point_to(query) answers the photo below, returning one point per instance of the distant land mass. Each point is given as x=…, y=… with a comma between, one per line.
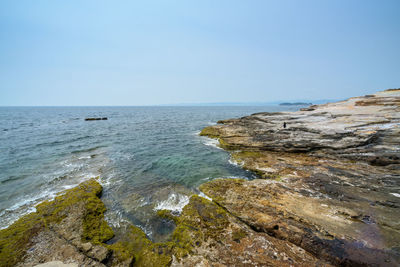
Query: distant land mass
x=278, y=102
x=295, y=104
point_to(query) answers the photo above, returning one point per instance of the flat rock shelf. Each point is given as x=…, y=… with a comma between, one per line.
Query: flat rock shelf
x=329, y=181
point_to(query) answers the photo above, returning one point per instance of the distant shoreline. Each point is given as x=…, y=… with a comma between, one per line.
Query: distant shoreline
x=295, y=104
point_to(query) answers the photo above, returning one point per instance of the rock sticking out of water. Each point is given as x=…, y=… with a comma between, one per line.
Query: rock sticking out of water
x=96, y=119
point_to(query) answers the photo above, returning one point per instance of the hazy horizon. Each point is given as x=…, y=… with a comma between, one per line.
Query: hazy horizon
x=195, y=104
x=100, y=53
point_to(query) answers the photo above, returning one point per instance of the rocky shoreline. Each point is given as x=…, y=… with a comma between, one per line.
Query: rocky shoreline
x=331, y=177
x=328, y=193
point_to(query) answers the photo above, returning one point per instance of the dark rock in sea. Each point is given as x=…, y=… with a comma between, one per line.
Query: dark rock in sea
x=96, y=119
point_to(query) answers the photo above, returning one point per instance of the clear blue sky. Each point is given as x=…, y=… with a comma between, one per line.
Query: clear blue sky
x=164, y=52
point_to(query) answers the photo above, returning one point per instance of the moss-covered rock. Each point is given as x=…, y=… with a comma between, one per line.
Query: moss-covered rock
x=14, y=240
x=135, y=245
x=82, y=201
x=210, y=131
x=201, y=220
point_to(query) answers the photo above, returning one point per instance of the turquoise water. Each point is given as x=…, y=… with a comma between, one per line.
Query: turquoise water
x=147, y=158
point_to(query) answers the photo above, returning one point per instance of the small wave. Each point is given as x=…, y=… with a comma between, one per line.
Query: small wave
x=13, y=178
x=196, y=133
x=86, y=157
x=234, y=177
x=23, y=207
x=212, y=142
x=174, y=203
x=116, y=219
x=205, y=196
x=86, y=149
x=117, y=156
x=27, y=204
x=234, y=162
x=147, y=231
x=395, y=194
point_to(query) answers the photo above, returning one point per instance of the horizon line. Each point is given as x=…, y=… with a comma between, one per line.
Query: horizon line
x=277, y=102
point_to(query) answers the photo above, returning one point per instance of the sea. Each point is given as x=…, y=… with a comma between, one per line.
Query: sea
x=146, y=158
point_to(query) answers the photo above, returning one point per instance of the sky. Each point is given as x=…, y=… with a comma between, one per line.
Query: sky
x=81, y=52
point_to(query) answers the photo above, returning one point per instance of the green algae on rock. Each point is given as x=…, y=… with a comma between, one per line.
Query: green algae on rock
x=16, y=239
x=135, y=245
x=210, y=131
x=71, y=229
x=208, y=235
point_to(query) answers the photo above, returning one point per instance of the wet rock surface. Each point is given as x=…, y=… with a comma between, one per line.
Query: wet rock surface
x=331, y=177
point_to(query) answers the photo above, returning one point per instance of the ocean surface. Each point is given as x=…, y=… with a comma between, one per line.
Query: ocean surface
x=146, y=158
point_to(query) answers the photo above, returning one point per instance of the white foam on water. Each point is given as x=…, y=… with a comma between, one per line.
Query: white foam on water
x=116, y=219
x=205, y=196
x=212, y=142
x=395, y=194
x=85, y=157
x=234, y=177
x=175, y=203
x=235, y=163
x=146, y=231
x=27, y=204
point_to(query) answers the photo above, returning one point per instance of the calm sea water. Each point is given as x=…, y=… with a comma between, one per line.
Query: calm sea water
x=146, y=158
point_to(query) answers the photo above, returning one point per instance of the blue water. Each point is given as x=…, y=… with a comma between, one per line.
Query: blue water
x=147, y=158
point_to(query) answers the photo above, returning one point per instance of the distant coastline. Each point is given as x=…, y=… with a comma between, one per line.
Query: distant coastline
x=295, y=104
x=270, y=103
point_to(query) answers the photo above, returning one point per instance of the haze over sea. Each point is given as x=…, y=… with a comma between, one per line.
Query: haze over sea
x=147, y=158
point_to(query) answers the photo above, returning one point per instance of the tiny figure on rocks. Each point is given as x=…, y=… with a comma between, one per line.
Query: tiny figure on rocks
x=284, y=125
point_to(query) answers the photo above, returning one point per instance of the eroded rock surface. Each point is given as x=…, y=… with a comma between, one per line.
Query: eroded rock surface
x=333, y=177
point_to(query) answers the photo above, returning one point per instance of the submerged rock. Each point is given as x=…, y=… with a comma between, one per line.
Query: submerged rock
x=96, y=119
x=329, y=177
